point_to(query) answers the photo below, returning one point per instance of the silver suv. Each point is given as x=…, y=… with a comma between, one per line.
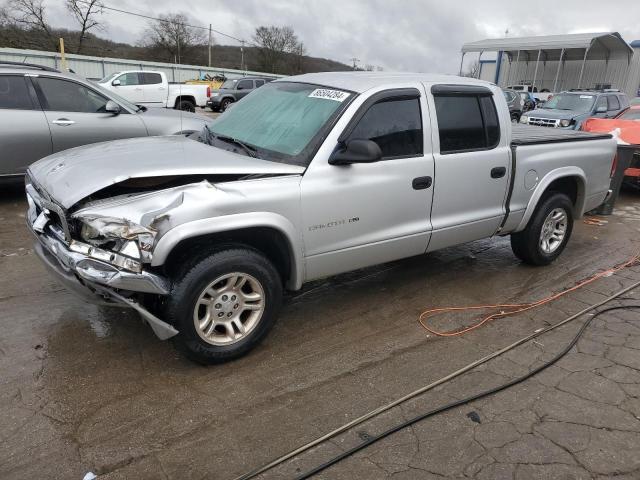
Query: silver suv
x=44, y=111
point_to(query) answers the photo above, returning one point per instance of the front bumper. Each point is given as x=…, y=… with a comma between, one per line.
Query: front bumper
x=96, y=281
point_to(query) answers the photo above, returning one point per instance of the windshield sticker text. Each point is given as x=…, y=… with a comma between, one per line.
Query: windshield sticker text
x=327, y=94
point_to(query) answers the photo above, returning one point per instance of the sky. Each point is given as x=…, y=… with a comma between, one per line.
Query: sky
x=407, y=35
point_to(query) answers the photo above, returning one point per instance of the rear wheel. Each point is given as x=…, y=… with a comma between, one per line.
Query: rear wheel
x=186, y=105
x=224, y=305
x=225, y=104
x=547, y=233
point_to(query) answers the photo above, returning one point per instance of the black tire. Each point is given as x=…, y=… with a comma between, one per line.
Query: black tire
x=186, y=105
x=225, y=104
x=186, y=291
x=526, y=244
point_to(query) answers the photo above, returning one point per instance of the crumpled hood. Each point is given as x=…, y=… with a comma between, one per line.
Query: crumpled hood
x=74, y=174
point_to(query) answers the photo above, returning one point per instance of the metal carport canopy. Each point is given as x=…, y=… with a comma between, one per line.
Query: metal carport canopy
x=601, y=46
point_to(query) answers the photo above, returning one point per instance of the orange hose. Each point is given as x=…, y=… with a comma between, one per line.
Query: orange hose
x=512, y=308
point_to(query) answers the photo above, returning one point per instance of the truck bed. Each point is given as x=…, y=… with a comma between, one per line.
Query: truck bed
x=532, y=135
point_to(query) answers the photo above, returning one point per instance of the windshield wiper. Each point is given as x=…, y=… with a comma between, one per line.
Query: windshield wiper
x=251, y=151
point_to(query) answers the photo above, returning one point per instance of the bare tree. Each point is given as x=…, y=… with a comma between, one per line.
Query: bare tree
x=31, y=15
x=274, y=43
x=173, y=35
x=85, y=11
x=473, y=71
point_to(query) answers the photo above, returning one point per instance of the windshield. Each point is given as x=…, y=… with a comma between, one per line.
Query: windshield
x=571, y=101
x=108, y=77
x=281, y=120
x=632, y=114
x=229, y=84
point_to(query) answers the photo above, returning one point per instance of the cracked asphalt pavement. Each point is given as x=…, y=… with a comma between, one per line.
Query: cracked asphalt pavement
x=90, y=389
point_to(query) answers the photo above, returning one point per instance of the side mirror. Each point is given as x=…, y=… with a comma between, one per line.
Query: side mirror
x=356, y=151
x=116, y=83
x=112, y=107
x=601, y=109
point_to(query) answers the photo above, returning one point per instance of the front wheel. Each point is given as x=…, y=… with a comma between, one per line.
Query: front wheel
x=547, y=233
x=224, y=305
x=225, y=104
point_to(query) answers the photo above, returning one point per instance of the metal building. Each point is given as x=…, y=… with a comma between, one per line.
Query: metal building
x=560, y=62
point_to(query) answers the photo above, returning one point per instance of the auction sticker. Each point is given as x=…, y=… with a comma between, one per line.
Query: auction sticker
x=336, y=95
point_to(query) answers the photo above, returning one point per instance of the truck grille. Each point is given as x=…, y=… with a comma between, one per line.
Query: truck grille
x=543, y=122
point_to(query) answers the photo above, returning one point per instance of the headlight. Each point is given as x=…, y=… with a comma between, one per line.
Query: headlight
x=524, y=119
x=565, y=123
x=119, y=235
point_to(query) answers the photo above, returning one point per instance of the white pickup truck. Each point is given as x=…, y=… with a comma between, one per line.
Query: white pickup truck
x=152, y=89
x=307, y=177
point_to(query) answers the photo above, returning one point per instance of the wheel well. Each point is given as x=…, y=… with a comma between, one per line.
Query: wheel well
x=185, y=97
x=268, y=241
x=570, y=186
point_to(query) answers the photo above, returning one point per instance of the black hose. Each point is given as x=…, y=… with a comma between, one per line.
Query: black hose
x=457, y=403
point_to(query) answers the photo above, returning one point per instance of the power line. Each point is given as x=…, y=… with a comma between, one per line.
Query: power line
x=164, y=20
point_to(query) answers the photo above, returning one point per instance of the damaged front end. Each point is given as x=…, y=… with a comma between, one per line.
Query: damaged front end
x=99, y=258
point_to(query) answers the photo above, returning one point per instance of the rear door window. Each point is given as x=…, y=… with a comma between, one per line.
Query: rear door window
x=151, y=78
x=245, y=85
x=467, y=122
x=613, y=102
x=259, y=83
x=395, y=125
x=14, y=93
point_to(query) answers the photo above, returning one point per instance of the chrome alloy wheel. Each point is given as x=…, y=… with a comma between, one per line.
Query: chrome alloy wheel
x=553, y=230
x=229, y=308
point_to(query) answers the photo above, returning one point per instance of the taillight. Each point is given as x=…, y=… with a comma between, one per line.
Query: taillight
x=614, y=164
x=208, y=92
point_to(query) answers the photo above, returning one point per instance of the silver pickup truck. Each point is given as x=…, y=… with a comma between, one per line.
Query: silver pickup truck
x=307, y=177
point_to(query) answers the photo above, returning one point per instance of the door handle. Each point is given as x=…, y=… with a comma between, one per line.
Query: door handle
x=63, y=122
x=498, y=172
x=420, y=183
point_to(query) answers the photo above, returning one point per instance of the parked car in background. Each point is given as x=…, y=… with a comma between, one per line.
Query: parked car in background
x=570, y=109
x=626, y=128
x=43, y=111
x=514, y=102
x=152, y=89
x=308, y=177
x=528, y=101
x=233, y=90
x=538, y=96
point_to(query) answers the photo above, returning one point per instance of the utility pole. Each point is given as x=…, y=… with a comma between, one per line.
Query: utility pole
x=355, y=62
x=242, y=55
x=209, y=44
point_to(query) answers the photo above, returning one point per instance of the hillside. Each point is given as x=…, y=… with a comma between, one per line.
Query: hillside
x=224, y=56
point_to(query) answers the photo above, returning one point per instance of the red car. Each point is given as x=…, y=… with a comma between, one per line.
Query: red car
x=626, y=128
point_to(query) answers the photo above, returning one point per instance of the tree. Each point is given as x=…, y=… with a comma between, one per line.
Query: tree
x=84, y=11
x=275, y=44
x=31, y=15
x=174, y=36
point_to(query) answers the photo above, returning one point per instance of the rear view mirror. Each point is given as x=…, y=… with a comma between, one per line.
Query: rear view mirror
x=112, y=107
x=116, y=83
x=356, y=151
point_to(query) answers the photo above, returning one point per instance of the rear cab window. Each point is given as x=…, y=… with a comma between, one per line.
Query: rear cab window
x=151, y=78
x=14, y=93
x=467, y=118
